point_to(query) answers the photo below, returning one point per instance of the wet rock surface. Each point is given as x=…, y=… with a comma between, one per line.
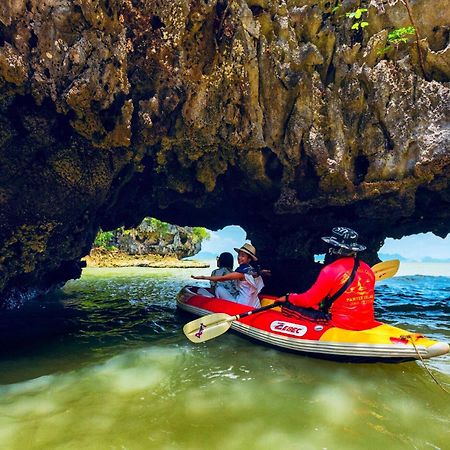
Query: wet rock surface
x=273, y=115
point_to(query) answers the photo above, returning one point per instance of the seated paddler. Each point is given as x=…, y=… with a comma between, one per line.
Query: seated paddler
x=248, y=278
x=343, y=293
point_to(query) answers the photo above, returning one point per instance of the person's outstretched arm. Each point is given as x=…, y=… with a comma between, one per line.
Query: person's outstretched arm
x=228, y=276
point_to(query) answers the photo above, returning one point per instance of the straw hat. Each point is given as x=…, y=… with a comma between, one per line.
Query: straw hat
x=249, y=249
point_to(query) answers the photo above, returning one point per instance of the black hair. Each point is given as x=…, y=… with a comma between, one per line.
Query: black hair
x=335, y=253
x=225, y=260
x=341, y=251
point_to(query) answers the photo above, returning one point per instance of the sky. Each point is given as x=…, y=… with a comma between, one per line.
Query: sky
x=419, y=246
x=224, y=240
x=415, y=247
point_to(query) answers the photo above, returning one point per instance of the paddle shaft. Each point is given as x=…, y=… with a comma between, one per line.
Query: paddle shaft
x=380, y=275
x=254, y=311
x=213, y=325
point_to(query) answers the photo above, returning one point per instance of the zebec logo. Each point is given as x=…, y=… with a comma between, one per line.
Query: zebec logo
x=288, y=328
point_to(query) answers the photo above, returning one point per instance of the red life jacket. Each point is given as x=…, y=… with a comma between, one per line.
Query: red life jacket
x=353, y=309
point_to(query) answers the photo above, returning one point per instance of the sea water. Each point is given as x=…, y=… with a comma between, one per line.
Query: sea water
x=103, y=364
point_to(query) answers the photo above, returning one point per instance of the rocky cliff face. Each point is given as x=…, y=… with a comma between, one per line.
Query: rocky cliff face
x=152, y=237
x=274, y=115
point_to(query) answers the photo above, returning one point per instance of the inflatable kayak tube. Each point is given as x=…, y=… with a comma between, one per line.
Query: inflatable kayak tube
x=381, y=343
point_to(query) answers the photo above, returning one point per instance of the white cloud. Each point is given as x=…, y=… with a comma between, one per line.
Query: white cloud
x=224, y=240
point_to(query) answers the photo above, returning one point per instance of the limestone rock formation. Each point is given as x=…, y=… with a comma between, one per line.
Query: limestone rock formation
x=157, y=238
x=275, y=115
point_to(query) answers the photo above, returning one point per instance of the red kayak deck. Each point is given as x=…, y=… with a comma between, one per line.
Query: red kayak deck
x=382, y=342
x=270, y=320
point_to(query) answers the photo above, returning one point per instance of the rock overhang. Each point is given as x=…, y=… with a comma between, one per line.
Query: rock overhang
x=275, y=117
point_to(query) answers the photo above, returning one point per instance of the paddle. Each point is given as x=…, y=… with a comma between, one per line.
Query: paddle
x=385, y=269
x=208, y=327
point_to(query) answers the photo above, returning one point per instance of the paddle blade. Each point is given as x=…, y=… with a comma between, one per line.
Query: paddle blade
x=386, y=269
x=207, y=327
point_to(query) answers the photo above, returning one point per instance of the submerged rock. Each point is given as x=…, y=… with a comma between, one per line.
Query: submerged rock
x=273, y=115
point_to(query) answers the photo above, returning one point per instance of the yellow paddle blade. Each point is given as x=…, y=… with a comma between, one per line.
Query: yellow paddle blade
x=269, y=301
x=385, y=269
x=208, y=327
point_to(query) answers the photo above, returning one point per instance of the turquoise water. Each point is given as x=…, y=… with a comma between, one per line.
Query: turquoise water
x=103, y=364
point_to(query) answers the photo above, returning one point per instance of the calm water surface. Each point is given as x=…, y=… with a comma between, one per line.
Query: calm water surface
x=103, y=364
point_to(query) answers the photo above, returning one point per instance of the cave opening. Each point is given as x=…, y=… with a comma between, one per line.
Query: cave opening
x=417, y=249
x=319, y=257
x=222, y=240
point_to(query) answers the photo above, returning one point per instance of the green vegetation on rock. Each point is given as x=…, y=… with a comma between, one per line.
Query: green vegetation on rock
x=158, y=225
x=397, y=37
x=358, y=21
x=104, y=239
x=200, y=233
x=153, y=237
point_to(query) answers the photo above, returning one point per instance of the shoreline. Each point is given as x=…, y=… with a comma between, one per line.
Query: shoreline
x=437, y=269
x=100, y=257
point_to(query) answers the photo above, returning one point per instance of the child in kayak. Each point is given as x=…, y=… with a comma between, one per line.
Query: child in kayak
x=224, y=289
x=249, y=280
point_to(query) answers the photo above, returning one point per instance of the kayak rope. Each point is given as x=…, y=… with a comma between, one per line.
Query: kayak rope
x=410, y=338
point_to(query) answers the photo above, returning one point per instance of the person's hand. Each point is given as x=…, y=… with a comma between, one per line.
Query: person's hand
x=198, y=277
x=282, y=299
x=266, y=272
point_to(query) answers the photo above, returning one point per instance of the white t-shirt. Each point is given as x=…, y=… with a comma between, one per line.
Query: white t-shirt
x=249, y=290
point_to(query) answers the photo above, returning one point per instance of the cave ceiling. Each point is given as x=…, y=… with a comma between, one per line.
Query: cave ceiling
x=279, y=116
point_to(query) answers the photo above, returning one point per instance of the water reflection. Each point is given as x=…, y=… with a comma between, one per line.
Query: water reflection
x=185, y=396
x=104, y=364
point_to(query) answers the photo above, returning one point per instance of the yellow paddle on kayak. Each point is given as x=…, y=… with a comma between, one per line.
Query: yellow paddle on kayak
x=386, y=269
x=208, y=327
x=213, y=325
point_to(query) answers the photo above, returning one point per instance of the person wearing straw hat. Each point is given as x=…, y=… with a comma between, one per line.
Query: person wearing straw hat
x=343, y=293
x=249, y=280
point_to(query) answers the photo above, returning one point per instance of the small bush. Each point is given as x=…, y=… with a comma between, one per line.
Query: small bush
x=158, y=225
x=104, y=239
x=397, y=37
x=200, y=233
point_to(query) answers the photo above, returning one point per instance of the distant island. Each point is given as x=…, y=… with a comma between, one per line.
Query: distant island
x=426, y=259
x=429, y=259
